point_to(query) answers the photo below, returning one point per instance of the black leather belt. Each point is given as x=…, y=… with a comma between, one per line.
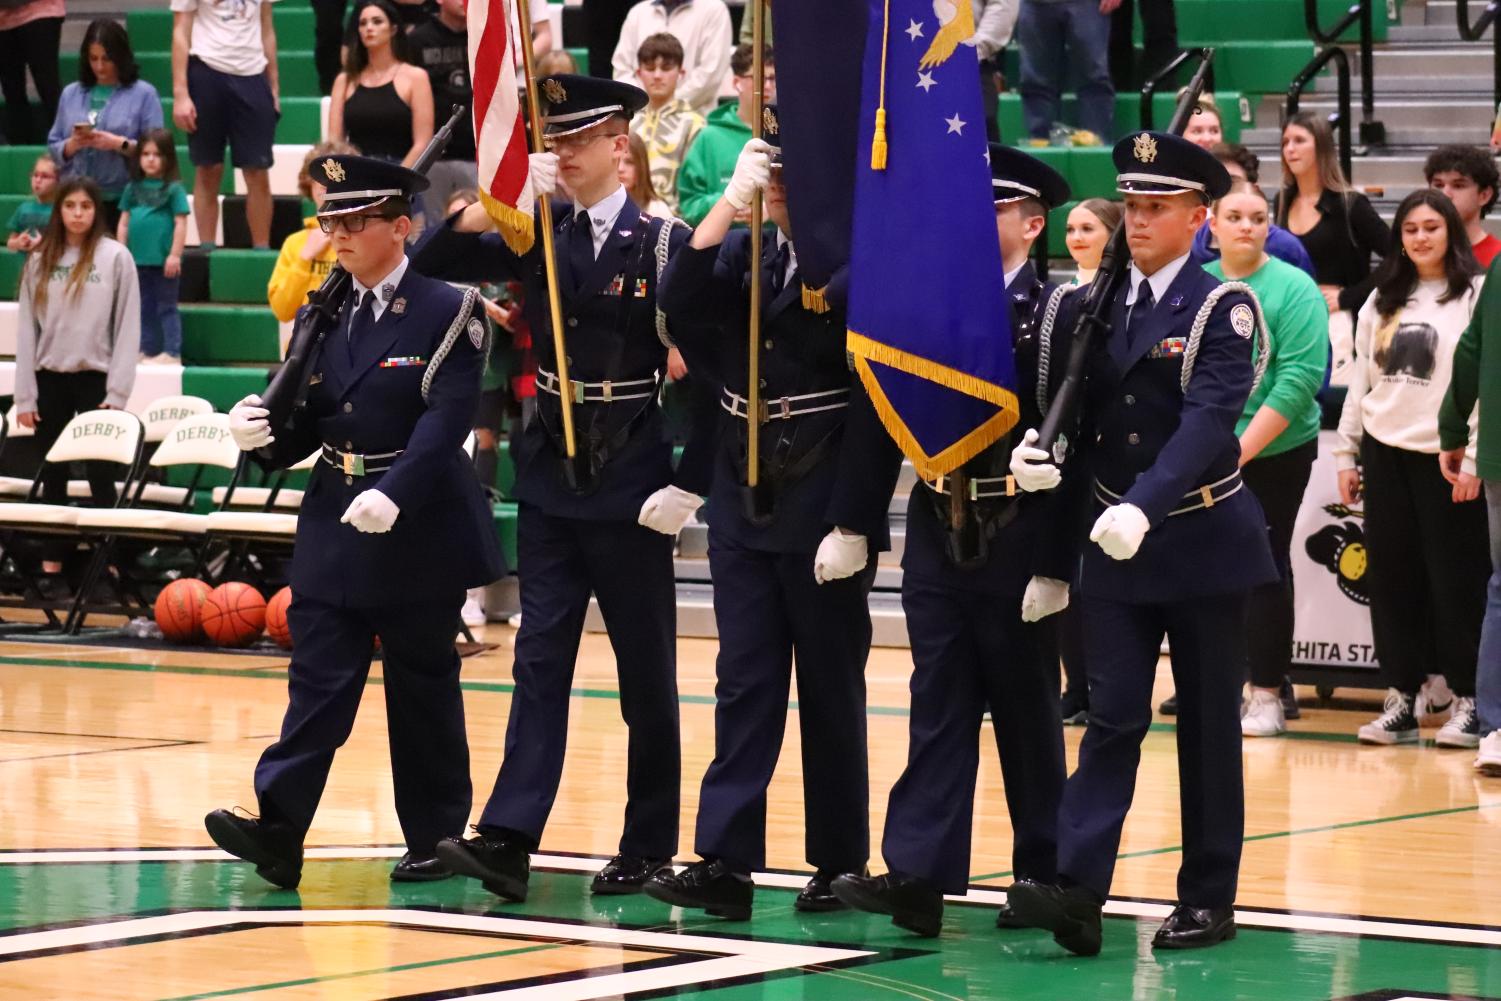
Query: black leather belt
x=599, y=392
x=786, y=407
x=1206, y=496
x=355, y=464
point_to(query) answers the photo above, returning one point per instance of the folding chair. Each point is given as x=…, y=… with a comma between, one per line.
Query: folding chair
x=252, y=538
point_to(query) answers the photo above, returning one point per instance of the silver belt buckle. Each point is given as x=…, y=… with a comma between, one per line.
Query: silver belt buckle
x=354, y=465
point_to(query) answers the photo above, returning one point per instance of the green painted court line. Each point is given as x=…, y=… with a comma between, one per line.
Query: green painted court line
x=305, y=981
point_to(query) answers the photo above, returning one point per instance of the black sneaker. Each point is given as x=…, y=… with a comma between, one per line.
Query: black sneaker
x=498, y=859
x=1075, y=707
x=1396, y=725
x=707, y=886
x=274, y=849
x=1169, y=706
x=1289, y=699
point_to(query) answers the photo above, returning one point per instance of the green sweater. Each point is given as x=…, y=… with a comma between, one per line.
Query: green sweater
x=1298, y=321
x=1477, y=378
x=711, y=162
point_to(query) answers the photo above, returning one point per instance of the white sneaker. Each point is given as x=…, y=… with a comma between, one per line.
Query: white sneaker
x=1434, y=698
x=514, y=621
x=474, y=609
x=1462, y=728
x=1263, y=716
x=1395, y=725
x=1488, y=761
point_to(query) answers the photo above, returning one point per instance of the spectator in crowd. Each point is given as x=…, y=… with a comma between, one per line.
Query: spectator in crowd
x=1467, y=174
x=1159, y=31
x=154, y=228
x=79, y=329
x=704, y=29
x=995, y=20
x=225, y=90
x=1086, y=233
x=440, y=45
x=1246, y=166
x=24, y=230
x=30, y=31
x=1424, y=536
x=748, y=26
x=382, y=103
x=1278, y=430
x=1205, y=127
x=541, y=35
x=307, y=256
x=711, y=160
x=1056, y=37
x=635, y=174
x=1476, y=384
x=668, y=124
x=102, y=115
x=329, y=32
x=556, y=61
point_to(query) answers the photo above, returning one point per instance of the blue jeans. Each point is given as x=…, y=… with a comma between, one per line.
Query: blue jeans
x=1488, y=671
x=1053, y=36
x=161, y=324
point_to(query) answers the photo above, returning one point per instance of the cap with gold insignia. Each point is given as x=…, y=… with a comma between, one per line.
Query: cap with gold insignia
x=1160, y=163
x=361, y=182
x=572, y=103
x=771, y=132
x=1014, y=175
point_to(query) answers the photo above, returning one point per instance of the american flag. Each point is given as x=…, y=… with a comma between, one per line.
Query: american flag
x=500, y=135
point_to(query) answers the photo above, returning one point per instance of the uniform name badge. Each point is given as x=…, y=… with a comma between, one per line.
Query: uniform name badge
x=354, y=465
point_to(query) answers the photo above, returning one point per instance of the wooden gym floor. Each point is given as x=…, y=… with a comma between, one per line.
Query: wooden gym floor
x=1370, y=873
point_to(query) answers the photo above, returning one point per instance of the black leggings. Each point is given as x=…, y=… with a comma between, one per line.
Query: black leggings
x=1278, y=481
x=61, y=396
x=32, y=46
x=1429, y=560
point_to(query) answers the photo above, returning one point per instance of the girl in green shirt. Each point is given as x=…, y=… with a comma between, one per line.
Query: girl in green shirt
x=154, y=225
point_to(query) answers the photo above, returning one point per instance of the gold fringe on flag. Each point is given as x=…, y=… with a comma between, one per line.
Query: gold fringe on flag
x=515, y=227
x=814, y=301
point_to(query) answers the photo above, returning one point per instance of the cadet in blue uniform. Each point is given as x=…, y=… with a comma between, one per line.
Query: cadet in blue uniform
x=976, y=579
x=1177, y=546
x=393, y=528
x=790, y=582
x=603, y=524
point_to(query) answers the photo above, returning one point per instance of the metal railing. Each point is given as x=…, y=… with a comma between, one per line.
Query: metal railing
x=1473, y=33
x=1341, y=117
x=1372, y=132
x=1168, y=73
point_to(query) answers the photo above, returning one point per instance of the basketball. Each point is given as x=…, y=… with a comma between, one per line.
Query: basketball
x=179, y=610
x=233, y=614
x=276, y=618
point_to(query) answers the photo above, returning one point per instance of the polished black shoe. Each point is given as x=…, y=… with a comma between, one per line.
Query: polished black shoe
x=1006, y=919
x=1071, y=914
x=818, y=895
x=498, y=860
x=1289, y=699
x=420, y=868
x=1195, y=928
x=912, y=903
x=1169, y=706
x=627, y=874
x=707, y=886
x=1075, y=707
x=275, y=849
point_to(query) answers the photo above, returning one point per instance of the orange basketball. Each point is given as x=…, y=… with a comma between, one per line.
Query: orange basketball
x=276, y=618
x=179, y=610
x=234, y=614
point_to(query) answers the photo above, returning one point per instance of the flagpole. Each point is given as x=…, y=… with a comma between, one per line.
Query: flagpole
x=757, y=11
x=544, y=213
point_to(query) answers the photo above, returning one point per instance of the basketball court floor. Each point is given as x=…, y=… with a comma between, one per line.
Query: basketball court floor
x=1369, y=873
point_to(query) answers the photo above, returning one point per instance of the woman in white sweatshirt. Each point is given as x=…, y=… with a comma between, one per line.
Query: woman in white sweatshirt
x=1425, y=537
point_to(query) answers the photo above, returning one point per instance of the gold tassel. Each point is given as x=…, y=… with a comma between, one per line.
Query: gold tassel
x=515, y=227
x=814, y=301
x=878, y=144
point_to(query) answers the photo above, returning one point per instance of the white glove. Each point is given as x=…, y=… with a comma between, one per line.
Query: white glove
x=1044, y=596
x=371, y=511
x=1119, y=531
x=752, y=173
x=841, y=554
x=668, y=510
x=1032, y=467
x=543, y=168
x=248, y=424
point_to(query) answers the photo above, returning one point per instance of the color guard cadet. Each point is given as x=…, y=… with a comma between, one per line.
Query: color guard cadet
x=393, y=528
x=790, y=580
x=1178, y=545
x=602, y=524
x=977, y=577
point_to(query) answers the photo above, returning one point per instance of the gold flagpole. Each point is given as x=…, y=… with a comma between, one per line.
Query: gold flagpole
x=757, y=11
x=544, y=211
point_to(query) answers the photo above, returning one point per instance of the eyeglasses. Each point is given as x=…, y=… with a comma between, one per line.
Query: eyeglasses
x=351, y=223
x=576, y=143
x=49, y=175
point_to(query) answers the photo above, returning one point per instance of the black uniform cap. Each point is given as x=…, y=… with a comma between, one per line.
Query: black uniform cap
x=572, y=103
x=1159, y=163
x=1014, y=175
x=362, y=182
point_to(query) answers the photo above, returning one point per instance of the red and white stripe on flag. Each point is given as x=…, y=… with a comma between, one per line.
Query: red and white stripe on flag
x=500, y=135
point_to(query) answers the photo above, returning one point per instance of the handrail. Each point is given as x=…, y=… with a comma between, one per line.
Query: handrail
x=1372, y=132
x=1166, y=72
x=1341, y=60
x=1473, y=33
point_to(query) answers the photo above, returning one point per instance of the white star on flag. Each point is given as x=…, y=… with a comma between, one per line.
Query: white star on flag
x=926, y=81
x=914, y=30
x=956, y=125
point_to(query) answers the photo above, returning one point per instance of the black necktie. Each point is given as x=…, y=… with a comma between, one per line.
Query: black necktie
x=360, y=324
x=581, y=248
x=1141, y=312
x=779, y=268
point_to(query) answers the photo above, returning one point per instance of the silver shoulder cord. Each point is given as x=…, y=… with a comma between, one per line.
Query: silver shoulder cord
x=1201, y=320
x=664, y=243
x=1045, y=343
x=454, y=332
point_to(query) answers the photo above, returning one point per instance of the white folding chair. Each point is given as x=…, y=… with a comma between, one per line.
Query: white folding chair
x=252, y=538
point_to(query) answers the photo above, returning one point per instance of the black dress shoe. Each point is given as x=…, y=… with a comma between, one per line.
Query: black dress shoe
x=627, y=874
x=1072, y=914
x=1195, y=927
x=818, y=895
x=1289, y=698
x=1169, y=706
x=912, y=903
x=1006, y=919
x=275, y=849
x=1074, y=707
x=498, y=860
x=417, y=868
x=708, y=886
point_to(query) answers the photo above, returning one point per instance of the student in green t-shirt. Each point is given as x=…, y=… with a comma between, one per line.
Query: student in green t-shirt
x=1278, y=429
x=154, y=226
x=29, y=221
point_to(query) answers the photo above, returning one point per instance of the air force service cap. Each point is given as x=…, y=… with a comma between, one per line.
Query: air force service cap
x=1159, y=163
x=572, y=103
x=771, y=132
x=1014, y=175
x=361, y=182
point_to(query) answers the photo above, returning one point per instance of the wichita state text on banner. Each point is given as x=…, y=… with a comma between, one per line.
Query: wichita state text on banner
x=499, y=133
x=929, y=319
